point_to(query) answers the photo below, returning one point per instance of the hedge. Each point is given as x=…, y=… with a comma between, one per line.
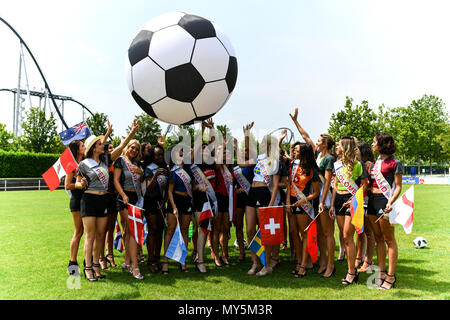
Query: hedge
x=25, y=164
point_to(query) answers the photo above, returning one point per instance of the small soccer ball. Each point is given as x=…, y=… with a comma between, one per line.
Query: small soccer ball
x=420, y=242
x=181, y=68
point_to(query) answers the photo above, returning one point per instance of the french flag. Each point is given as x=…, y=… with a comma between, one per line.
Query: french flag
x=65, y=164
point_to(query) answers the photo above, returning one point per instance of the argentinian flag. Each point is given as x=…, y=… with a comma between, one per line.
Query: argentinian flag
x=177, y=249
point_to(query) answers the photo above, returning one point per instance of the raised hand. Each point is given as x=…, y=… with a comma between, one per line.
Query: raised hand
x=209, y=123
x=161, y=141
x=248, y=127
x=135, y=126
x=283, y=134
x=294, y=117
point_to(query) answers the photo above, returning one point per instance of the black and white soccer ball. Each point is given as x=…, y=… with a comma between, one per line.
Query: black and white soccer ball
x=420, y=242
x=181, y=68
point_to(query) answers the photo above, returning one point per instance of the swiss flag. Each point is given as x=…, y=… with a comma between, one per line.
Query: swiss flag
x=271, y=225
x=311, y=242
x=136, y=224
x=205, y=218
x=65, y=164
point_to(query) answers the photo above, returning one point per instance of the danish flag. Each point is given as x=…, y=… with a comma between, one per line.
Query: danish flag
x=136, y=224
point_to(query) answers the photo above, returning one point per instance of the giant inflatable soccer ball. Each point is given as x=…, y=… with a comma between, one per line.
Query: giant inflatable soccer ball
x=181, y=68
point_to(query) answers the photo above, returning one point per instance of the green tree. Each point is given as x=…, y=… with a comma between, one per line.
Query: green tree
x=40, y=134
x=444, y=140
x=97, y=123
x=418, y=129
x=358, y=121
x=6, y=138
x=149, y=129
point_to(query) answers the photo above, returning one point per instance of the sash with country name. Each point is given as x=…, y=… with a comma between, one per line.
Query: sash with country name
x=348, y=184
x=183, y=175
x=267, y=178
x=161, y=179
x=381, y=181
x=241, y=179
x=300, y=195
x=137, y=186
x=102, y=173
x=228, y=179
x=201, y=179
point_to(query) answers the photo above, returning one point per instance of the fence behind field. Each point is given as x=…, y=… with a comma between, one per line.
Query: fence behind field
x=24, y=184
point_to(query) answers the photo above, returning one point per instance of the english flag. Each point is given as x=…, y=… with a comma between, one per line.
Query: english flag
x=65, y=164
x=271, y=225
x=136, y=224
x=402, y=210
x=205, y=218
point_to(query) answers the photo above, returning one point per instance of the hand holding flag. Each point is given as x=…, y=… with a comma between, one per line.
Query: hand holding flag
x=177, y=249
x=65, y=164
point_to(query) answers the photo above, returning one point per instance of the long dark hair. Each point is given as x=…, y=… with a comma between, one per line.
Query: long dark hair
x=307, y=161
x=74, y=147
x=366, y=152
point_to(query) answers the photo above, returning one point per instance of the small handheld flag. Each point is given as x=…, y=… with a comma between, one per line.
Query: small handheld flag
x=357, y=211
x=205, y=218
x=118, y=241
x=65, y=164
x=136, y=224
x=403, y=209
x=311, y=241
x=177, y=249
x=79, y=131
x=272, y=225
x=256, y=247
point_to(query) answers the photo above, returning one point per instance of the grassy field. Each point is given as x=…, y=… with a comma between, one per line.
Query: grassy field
x=36, y=229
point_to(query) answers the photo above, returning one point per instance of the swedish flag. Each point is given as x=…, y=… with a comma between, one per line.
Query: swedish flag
x=258, y=248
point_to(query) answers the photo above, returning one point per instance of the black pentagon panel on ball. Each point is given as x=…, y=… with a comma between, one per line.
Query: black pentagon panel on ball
x=143, y=104
x=197, y=26
x=184, y=83
x=139, y=47
x=231, y=76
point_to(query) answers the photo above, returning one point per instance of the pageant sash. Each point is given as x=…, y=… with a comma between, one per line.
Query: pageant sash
x=300, y=195
x=381, y=181
x=241, y=179
x=102, y=173
x=183, y=175
x=161, y=179
x=349, y=184
x=267, y=177
x=201, y=179
x=137, y=185
x=228, y=179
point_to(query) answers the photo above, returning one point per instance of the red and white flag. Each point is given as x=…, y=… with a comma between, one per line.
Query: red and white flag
x=271, y=225
x=205, y=218
x=65, y=164
x=311, y=241
x=136, y=224
x=402, y=210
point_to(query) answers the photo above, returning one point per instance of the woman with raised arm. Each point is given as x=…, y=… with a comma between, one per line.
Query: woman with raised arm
x=386, y=183
x=77, y=148
x=350, y=176
x=263, y=193
x=93, y=202
x=127, y=180
x=325, y=158
x=156, y=175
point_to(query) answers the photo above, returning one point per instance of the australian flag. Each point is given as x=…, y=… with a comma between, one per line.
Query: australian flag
x=79, y=131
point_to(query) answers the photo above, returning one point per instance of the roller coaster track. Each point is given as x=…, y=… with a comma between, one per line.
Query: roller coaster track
x=47, y=87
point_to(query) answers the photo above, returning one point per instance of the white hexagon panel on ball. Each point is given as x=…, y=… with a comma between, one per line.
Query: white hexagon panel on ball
x=210, y=59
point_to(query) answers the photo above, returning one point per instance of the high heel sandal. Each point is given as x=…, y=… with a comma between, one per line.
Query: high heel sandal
x=295, y=271
x=355, y=275
x=183, y=268
x=264, y=271
x=93, y=274
x=165, y=272
x=297, y=274
x=253, y=269
x=100, y=276
x=381, y=280
x=111, y=261
x=357, y=265
x=343, y=257
x=392, y=284
x=218, y=264
x=200, y=263
x=332, y=273
x=139, y=276
x=103, y=263
x=126, y=267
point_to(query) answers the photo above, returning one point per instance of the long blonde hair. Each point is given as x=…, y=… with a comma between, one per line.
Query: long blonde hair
x=349, y=153
x=125, y=150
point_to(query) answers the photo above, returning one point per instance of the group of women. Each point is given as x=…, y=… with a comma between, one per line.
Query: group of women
x=311, y=180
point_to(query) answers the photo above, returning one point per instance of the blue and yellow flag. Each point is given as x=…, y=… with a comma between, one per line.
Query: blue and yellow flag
x=258, y=248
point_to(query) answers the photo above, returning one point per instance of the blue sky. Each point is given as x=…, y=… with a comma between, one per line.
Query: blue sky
x=310, y=54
